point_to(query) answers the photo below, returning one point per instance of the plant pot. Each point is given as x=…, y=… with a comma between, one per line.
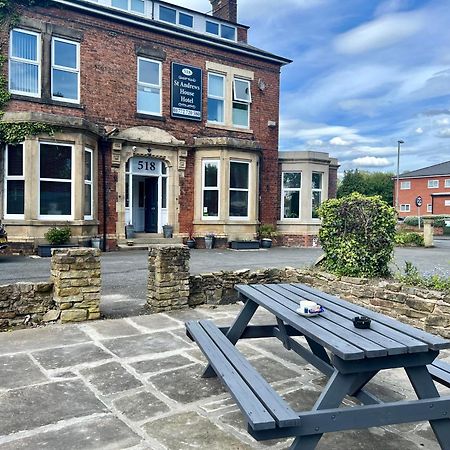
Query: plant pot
x=96, y=242
x=45, y=250
x=168, y=231
x=129, y=231
x=209, y=242
x=266, y=243
x=190, y=243
x=244, y=245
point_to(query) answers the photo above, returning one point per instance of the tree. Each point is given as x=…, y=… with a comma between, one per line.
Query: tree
x=367, y=183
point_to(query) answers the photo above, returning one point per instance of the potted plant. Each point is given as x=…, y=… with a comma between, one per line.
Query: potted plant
x=209, y=240
x=58, y=237
x=190, y=240
x=266, y=233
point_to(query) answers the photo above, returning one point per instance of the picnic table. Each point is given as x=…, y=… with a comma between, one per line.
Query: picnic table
x=349, y=356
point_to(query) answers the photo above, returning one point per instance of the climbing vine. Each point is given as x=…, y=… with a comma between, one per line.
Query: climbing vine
x=12, y=132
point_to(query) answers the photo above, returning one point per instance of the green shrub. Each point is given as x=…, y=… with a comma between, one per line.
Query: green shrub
x=267, y=231
x=405, y=238
x=435, y=281
x=58, y=235
x=357, y=235
x=438, y=221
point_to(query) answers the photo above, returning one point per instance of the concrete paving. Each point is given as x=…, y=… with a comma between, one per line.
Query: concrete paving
x=135, y=384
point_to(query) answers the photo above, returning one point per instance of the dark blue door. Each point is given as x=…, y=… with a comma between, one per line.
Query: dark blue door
x=151, y=205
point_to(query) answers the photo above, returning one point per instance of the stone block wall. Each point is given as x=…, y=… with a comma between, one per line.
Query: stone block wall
x=77, y=278
x=23, y=303
x=168, y=277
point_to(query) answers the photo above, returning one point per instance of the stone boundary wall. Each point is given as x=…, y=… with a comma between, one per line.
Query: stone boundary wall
x=422, y=308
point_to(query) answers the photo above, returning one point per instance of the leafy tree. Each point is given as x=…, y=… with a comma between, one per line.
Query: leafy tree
x=367, y=183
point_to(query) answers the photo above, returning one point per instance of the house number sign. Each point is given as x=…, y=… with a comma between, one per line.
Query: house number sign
x=145, y=166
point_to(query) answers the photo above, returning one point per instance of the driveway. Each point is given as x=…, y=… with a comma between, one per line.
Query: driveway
x=125, y=273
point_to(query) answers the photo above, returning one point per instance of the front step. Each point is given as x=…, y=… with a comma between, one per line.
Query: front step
x=142, y=241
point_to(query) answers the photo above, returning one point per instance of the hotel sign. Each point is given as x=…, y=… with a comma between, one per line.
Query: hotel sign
x=186, y=92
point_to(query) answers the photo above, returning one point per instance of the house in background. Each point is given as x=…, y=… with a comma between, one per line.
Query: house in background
x=432, y=184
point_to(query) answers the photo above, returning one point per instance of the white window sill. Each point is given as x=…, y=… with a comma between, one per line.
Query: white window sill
x=228, y=128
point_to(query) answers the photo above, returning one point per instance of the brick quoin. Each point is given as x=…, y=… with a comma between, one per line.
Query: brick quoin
x=108, y=98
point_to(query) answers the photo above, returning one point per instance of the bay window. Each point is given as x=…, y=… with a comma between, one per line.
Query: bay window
x=216, y=98
x=241, y=103
x=14, y=181
x=25, y=63
x=88, y=191
x=55, y=181
x=292, y=183
x=65, y=70
x=210, y=177
x=316, y=190
x=239, y=189
x=149, y=87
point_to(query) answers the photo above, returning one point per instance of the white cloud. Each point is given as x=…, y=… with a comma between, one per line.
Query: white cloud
x=339, y=141
x=419, y=130
x=382, y=32
x=371, y=161
x=444, y=133
x=314, y=143
x=443, y=122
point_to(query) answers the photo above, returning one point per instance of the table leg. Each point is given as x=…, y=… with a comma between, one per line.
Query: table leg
x=338, y=386
x=424, y=386
x=236, y=330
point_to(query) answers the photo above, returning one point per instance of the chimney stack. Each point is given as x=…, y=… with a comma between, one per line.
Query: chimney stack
x=224, y=9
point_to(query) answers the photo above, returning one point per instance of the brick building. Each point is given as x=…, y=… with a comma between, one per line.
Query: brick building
x=432, y=184
x=162, y=116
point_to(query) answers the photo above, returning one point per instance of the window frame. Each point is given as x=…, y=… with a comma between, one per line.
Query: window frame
x=37, y=63
x=13, y=178
x=65, y=69
x=241, y=101
x=219, y=31
x=405, y=207
x=447, y=183
x=435, y=186
x=177, y=17
x=446, y=203
x=230, y=189
x=299, y=190
x=210, y=188
x=429, y=208
x=153, y=86
x=89, y=182
x=403, y=184
x=223, y=99
x=129, y=3
x=44, y=217
x=316, y=190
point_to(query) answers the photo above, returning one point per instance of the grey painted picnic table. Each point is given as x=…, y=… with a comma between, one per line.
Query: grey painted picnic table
x=349, y=356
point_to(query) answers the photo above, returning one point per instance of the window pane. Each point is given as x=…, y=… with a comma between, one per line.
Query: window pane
x=317, y=181
x=56, y=162
x=163, y=192
x=240, y=114
x=24, y=45
x=15, y=196
x=211, y=178
x=24, y=77
x=88, y=166
x=238, y=203
x=149, y=100
x=228, y=32
x=186, y=20
x=138, y=6
x=316, y=201
x=163, y=168
x=88, y=200
x=55, y=198
x=292, y=205
x=65, y=54
x=238, y=175
x=167, y=14
x=210, y=203
x=241, y=90
x=215, y=110
x=215, y=85
x=212, y=27
x=15, y=160
x=122, y=4
x=65, y=84
x=148, y=72
x=292, y=180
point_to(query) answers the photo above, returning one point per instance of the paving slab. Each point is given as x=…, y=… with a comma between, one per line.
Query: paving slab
x=18, y=371
x=98, y=433
x=35, y=406
x=140, y=406
x=111, y=328
x=156, y=322
x=156, y=365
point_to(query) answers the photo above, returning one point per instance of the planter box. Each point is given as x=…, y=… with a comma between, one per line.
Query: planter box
x=244, y=245
x=45, y=250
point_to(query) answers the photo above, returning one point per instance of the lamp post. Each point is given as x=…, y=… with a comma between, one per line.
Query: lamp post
x=398, y=175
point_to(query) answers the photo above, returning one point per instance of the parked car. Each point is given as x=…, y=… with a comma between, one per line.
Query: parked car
x=3, y=237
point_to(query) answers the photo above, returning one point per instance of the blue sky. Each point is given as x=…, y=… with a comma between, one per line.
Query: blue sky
x=365, y=74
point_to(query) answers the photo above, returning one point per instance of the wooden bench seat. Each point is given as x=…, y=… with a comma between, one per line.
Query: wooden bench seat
x=440, y=372
x=263, y=408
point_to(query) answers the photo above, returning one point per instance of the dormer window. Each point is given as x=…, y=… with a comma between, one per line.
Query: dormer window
x=222, y=30
x=129, y=5
x=171, y=15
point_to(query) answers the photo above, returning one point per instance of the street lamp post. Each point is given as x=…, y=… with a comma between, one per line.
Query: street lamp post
x=397, y=187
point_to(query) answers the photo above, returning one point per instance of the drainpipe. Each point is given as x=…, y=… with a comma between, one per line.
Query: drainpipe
x=104, y=186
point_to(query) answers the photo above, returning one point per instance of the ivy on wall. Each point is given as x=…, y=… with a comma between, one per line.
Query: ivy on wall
x=15, y=132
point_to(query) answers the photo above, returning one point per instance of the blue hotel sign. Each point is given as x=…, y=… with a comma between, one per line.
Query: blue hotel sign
x=186, y=92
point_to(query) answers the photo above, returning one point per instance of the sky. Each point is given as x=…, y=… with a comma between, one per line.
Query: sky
x=366, y=73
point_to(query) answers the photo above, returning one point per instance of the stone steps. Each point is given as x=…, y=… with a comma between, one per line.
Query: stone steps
x=142, y=241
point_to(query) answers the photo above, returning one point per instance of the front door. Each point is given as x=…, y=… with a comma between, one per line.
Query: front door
x=151, y=205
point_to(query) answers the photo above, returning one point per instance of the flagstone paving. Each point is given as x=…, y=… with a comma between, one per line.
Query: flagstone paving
x=135, y=384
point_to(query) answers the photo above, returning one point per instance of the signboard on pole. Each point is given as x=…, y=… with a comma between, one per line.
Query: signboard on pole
x=186, y=102
x=419, y=202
